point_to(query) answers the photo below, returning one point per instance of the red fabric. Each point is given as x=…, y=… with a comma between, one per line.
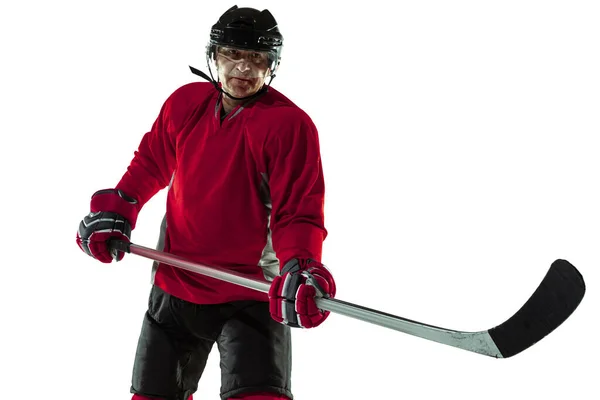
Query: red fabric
x=215, y=213
x=303, y=295
x=140, y=397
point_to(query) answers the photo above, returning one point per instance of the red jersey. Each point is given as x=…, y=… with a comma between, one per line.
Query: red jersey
x=245, y=194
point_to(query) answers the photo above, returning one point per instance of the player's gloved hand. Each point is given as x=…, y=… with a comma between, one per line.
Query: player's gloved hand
x=113, y=215
x=292, y=293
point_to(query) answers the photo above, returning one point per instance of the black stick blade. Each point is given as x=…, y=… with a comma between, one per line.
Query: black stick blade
x=558, y=295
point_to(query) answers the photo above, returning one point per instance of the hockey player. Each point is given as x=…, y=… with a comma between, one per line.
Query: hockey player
x=245, y=192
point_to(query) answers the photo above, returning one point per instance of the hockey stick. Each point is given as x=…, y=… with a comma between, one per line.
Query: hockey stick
x=555, y=299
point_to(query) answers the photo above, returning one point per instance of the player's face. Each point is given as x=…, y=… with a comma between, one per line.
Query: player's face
x=242, y=72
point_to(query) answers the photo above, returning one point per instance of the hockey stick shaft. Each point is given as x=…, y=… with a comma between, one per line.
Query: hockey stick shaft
x=430, y=332
x=555, y=299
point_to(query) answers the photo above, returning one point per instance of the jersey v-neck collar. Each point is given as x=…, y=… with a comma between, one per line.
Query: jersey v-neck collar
x=221, y=117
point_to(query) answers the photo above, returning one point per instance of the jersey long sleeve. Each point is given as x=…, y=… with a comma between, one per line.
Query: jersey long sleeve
x=297, y=189
x=153, y=163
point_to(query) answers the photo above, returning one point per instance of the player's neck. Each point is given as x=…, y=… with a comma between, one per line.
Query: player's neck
x=230, y=104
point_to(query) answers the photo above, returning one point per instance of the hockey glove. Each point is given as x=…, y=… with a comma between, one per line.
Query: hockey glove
x=112, y=215
x=292, y=293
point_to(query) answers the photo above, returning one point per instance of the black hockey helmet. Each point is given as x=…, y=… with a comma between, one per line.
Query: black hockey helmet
x=244, y=28
x=249, y=29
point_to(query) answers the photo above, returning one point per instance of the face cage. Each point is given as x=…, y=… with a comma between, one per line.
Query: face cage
x=274, y=57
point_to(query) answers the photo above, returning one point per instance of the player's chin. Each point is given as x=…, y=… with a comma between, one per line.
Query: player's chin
x=242, y=87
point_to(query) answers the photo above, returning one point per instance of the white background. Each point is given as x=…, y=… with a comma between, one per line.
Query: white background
x=460, y=147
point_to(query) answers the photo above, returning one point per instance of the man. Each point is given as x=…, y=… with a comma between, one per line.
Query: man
x=245, y=192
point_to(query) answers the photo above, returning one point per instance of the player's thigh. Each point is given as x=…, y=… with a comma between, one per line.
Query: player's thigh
x=256, y=353
x=168, y=361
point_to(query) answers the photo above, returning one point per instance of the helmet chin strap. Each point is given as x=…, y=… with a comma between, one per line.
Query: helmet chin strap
x=211, y=79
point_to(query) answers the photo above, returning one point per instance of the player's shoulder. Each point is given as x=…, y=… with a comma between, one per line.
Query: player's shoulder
x=283, y=121
x=193, y=92
x=281, y=110
x=184, y=100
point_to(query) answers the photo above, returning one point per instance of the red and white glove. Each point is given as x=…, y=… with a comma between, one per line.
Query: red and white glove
x=292, y=293
x=113, y=215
